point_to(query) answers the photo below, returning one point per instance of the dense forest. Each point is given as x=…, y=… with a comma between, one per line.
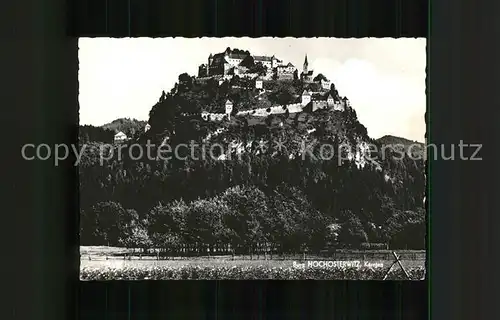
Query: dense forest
x=106, y=133
x=274, y=194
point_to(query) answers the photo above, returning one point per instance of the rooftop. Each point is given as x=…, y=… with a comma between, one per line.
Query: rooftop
x=289, y=65
x=262, y=58
x=237, y=56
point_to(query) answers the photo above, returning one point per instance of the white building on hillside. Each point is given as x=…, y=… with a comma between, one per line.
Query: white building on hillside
x=268, y=62
x=330, y=101
x=258, y=83
x=120, y=137
x=306, y=97
x=325, y=84
x=229, y=108
x=339, y=106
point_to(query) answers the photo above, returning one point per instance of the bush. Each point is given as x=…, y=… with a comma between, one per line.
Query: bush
x=246, y=273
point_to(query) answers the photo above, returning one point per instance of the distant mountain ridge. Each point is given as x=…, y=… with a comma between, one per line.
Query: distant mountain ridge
x=105, y=133
x=390, y=139
x=415, y=148
x=126, y=125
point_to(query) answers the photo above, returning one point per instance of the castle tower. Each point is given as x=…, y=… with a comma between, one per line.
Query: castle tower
x=330, y=101
x=306, y=64
x=306, y=97
x=274, y=62
x=210, y=60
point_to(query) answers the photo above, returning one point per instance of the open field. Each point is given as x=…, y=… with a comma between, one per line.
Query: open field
x=104, y=251
x=107, y=263
x=220, y=262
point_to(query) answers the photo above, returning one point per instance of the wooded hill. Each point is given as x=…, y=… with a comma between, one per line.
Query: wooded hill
x=271, y=194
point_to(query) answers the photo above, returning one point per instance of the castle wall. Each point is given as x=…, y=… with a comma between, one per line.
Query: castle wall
x=339, y=106
x=203, y=79
x=242, y=113
x=285, y=76
x=277, y=110
x=215, y=69
x=294, y=108
x=262, y=112
x=267, y=64
x=250, y=75
x=306, y=100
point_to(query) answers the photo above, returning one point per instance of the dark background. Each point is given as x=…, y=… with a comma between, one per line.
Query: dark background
x=39, y=72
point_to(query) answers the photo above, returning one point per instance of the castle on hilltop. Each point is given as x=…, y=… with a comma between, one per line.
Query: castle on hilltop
x=224, y=65
x=230, y=62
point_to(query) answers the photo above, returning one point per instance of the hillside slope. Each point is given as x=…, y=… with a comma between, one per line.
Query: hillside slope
x=414, y=148
x=281, y=178
x=125, y=125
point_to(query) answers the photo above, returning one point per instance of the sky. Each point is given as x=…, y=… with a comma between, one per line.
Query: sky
x=383, y=78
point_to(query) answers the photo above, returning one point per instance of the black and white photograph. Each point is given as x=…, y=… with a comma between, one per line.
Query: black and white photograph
x=252, y=158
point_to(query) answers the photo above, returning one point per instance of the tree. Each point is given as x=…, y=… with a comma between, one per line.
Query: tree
x=320, y=77
x=323, y=189
x=407, y=229
x=269, y=119
x=248, y=62
x=185, y=82
x=334, y=92
x=167, y=222
x=247, y=207
x=89, y=133
x=352, y=232
x=134, y=233
x=258, y=68
x=204, y=221
x=112, y=219
x=88, y=225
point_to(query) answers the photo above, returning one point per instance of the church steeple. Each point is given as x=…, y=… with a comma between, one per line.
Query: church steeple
x=305, y=64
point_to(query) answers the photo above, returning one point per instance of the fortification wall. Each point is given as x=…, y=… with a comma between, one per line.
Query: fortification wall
x=249, y=75
x=213, y=116
x=338, y=106
x=262, y=112
x=203, y=78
